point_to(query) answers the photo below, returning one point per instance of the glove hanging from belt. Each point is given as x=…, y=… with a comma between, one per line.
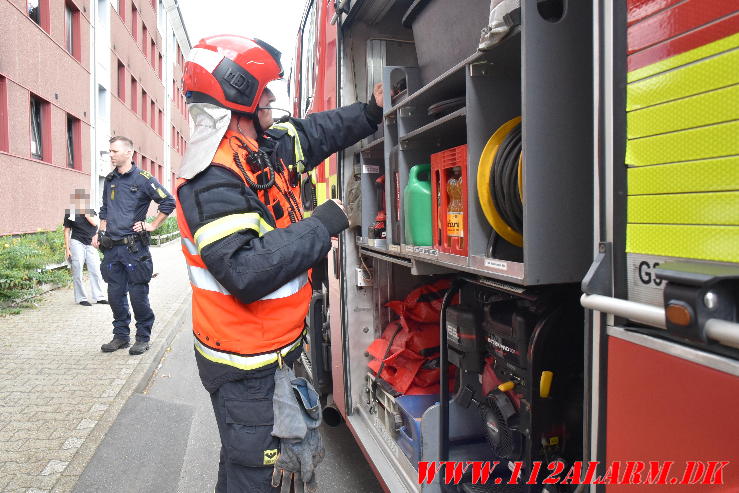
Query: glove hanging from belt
x=297, y=411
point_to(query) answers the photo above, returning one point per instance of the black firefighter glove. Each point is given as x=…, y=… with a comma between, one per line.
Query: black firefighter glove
x=297, y=412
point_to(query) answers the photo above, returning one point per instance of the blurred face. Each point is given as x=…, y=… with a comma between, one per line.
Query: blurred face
x=265, y=116
x=120, y=154
x=80, y=200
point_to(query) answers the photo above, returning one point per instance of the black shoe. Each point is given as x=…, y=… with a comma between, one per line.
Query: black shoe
x=114, y=345
x=102, y=302
x=85, y=303
x=139, y=348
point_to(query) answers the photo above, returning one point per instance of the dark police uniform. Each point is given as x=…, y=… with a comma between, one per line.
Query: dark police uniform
x=127, y=265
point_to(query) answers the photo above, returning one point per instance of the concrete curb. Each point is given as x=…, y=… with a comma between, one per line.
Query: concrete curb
x=136, y=383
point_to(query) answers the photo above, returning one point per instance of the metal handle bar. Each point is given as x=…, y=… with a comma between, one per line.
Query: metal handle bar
x=721, y=331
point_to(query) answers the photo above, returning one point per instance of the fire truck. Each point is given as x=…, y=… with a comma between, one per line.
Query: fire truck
x=542, y=267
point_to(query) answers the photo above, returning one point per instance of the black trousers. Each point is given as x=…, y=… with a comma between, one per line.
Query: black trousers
x=129, y=273
x=244, y=414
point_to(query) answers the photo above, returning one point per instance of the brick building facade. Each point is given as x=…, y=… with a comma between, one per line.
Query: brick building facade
x=74, y=73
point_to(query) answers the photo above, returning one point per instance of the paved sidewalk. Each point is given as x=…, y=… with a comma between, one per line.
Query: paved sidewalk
x=59, y=393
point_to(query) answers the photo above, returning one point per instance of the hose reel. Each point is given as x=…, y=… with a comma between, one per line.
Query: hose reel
x=500, y=183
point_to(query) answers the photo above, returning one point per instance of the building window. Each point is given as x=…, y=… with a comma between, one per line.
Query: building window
x=160, y=124
x=135, y=22
x=122, y=9
x=74, y=143
x=72, y=31
x=161, y=76
x=145, y=41
x=153, y=58
x=134, y=96
x=4, y=139
x=153, y=115
x=160, y=16
x=69, y=28
x=38, y=11
x=144, y=104
x=121, y=81
x=40, y=128
x=34, y=11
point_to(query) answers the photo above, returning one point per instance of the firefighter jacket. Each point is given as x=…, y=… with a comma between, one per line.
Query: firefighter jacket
x=249, y=250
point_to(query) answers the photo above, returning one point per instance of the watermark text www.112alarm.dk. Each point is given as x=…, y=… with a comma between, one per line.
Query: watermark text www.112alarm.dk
x=624, y=472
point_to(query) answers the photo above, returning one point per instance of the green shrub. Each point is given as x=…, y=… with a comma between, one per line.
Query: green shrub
x=23, y=262
x=169, y=225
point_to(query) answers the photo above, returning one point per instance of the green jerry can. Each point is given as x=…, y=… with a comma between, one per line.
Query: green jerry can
x=417, y=200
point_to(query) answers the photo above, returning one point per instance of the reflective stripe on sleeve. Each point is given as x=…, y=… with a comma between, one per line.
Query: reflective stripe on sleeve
x=288, y=289
x=201, y=278
x=227, y=225
x=192, y=249
x=243, y=362
x=293, y=132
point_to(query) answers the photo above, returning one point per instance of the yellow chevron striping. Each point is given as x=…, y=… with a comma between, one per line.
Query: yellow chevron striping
x=694, y=176
x=713, y=48
x=717, y=106
x=717, y=243
x=718, y=208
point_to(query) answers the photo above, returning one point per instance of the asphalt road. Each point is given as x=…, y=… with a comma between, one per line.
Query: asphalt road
x=165, y=439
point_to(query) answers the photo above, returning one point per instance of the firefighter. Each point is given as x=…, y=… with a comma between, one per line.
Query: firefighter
x=248, y=247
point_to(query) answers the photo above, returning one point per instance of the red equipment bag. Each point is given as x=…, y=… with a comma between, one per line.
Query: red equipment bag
x=406, y=354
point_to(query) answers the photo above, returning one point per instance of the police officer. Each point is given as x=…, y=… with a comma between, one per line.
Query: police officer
x=249, y=248
x=124, y=240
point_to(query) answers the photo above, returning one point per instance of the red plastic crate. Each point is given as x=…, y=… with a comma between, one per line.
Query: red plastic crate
x=450, y=230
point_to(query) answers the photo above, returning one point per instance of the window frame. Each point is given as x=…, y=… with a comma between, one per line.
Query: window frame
x=308, y=67
x=4, y=116
x=145, y=41
x=121, y=89
x=134, y=22
x=40, y=133
x=134, y=95
x=72, y=16
x=74, y=142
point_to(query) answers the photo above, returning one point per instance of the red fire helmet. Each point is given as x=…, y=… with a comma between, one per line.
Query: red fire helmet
x=230, y=71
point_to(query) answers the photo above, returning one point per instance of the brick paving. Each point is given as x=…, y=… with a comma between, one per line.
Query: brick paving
x=59, y=393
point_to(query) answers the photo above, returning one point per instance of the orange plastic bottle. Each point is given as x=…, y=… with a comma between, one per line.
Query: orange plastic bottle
x=455, y=210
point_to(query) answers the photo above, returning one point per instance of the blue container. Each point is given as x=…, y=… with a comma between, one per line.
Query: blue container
x=411, y=409
x=411, y=448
